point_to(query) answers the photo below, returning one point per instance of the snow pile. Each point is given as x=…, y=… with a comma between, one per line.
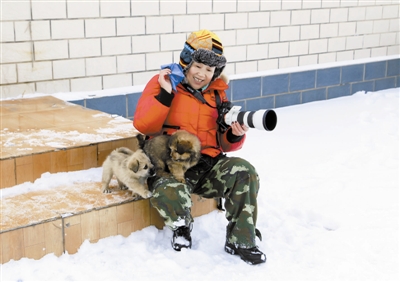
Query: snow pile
x=328, y=207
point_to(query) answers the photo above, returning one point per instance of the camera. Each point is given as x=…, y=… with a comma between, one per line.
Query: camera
x=261, y=119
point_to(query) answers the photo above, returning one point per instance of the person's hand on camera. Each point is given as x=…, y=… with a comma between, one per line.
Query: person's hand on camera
x=238, y=129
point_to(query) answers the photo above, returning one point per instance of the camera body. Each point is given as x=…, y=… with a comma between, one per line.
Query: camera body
x=261, y=119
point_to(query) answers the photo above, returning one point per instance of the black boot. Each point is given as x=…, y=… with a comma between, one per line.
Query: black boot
x=251, y=255
x=181, y=238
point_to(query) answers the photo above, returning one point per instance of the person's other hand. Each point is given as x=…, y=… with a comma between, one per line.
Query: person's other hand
x=164, y=81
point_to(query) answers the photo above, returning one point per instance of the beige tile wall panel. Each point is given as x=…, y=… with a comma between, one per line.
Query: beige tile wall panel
x=310, y=31
x=280, y=18
x=67, y=29
x=16, y=90
x=278, y=50
x=100, y=27
x=247, y=38
x=7, y=32
x=371, y=40
x=16, y=52
x=301, y=17
x=37, y=71
x=166, y=8
x=131, y=63
x=69, y=68
x=86, y=84
x=330, y=4
x=290, y=33
x=291, y=5
x=329, y=30
x=247, y=6
x=388, y=39
x=101, y=65
x=93, y=29
x=161, y=24
x=80, y=48
x=143, y=77
x=236, y=21
x=15, y=10
x=213, y=22
x=298, y=48
x=170, y=42
x=116, y=46
x=115, y=8
x=83, y=9
x=320, y=16
x=49, y=10
x=8, y=73
x=131, y=26
x=22, y=31
x=51, y=50
x=116, y=81
x=238, y=53
x=145, y=43
x=40, y=30
x=186, y=23
x=259, y=19
x=270, y=34
x=318, y=46
x=311, y=4
x=246, y=67
x=195, y=7
x=257, y=52
x=224, y=7
x=357, y=13
x=155, y=60
x=308, y=60
x=141, y=8
x=54, y=86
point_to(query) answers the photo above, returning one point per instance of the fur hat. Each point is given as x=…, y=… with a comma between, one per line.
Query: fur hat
x=204, y=47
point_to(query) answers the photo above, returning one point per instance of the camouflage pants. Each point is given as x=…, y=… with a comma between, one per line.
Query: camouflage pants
x=231, y=178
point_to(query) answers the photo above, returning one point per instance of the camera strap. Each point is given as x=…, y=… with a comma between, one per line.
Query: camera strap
x=197, y=94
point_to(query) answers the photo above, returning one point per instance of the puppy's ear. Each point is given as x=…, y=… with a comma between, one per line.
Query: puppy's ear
x=141, y=140
x=135, y=166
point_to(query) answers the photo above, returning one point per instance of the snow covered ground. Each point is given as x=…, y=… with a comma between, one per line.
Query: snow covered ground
x=328, y=207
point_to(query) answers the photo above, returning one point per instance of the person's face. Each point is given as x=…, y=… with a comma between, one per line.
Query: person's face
x=199, y=75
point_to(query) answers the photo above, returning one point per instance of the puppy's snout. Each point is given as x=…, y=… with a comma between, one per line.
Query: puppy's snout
x=152, y=172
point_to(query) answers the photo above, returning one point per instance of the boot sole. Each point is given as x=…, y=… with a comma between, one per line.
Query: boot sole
x=232, y=251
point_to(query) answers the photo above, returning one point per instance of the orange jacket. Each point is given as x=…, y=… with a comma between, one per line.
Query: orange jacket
x=159, y=112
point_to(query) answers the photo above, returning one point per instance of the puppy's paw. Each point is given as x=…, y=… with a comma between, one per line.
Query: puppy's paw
x=123, y=187
x=182, y=180
x=147, y=194
x=107, y=191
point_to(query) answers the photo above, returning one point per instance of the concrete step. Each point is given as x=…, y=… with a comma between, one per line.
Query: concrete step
x=47, y=135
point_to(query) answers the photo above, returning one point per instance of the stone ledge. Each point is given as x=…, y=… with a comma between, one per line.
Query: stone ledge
x=60, y=220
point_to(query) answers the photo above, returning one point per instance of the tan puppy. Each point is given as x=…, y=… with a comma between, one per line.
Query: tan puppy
x=131, y=170
x=177, y=152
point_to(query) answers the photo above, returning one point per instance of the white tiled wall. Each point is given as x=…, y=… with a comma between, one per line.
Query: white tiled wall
x=69, y=45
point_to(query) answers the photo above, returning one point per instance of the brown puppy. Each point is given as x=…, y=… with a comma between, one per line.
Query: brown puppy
x=131, y=170
x=178, y=152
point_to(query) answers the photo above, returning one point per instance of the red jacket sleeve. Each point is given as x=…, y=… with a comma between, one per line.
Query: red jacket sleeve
x=150, y=113
x=228, y=146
